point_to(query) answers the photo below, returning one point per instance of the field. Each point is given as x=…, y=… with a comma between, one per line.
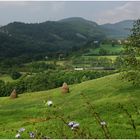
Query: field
x=112, y=57
x=108, y=47
x=105, y=94
x=6, y=78
x=84, y=59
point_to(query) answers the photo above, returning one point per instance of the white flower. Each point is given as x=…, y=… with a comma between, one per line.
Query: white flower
x=21, y=130
x=32, y=134
x=103, y=123
x=76, y=125
x=70, y=124
x=73, y=125
x=49, y=103
x=17, y=135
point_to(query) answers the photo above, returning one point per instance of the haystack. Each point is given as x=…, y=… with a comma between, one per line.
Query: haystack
x=65, y=88
x=13, y=94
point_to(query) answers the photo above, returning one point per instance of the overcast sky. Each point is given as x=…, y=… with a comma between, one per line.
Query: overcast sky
x=37, y=11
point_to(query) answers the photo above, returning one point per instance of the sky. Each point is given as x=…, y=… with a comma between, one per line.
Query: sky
x=39, y=11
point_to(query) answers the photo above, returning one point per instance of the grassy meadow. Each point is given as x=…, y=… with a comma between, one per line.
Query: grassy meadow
x=105, y=94
x=108, y=47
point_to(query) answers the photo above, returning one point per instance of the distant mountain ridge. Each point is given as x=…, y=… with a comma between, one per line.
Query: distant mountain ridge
x=70, y=25
x=79, y=25
x=84, y=27
x=76, y=20
x=118, y=30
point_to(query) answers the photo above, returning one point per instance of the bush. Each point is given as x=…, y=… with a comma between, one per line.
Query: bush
x=15, y=75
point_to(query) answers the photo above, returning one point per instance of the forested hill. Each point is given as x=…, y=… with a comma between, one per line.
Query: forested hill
x=51, y=38
x=47, y=38
x=119, y=29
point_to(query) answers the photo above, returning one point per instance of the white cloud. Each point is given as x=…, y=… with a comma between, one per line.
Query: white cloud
x=12, y=3
x=130, y=10
x=57, y=6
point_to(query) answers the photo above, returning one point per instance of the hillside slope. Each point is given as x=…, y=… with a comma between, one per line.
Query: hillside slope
x=105, y=94
x=118, y=30
x=48, y=38
x=85, y=27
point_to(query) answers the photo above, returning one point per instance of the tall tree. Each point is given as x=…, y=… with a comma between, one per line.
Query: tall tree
x=131, y=56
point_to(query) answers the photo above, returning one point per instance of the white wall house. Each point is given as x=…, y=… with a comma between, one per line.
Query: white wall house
x=78, y=68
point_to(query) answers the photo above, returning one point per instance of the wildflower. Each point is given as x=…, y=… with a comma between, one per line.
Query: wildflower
x=70, y=124
x=21, y=130
x=31, y=134
x=73, y=125
x=103, y=123
x=76, y=125
x=17, y=135
x=49, y=103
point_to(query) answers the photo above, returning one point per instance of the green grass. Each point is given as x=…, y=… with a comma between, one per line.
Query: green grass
x=6, y=78
x=108, y=47
x=112, y=57
x=104, y=93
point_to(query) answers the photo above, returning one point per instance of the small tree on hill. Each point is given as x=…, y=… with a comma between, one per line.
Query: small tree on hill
x=15, y=75
x=131, y=66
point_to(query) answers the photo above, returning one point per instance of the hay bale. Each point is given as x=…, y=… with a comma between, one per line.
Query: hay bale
x=65, y=88
x=13, y=94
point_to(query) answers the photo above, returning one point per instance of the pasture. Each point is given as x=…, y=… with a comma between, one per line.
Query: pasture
x=110, y=97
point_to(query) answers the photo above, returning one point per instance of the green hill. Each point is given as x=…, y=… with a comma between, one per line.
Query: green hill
x=118, y=30
x=85, y=27
x=22, y=42
x=50, y=38
x=105, y=94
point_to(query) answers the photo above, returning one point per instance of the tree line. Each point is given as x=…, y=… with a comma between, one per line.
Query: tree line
x=48, y=80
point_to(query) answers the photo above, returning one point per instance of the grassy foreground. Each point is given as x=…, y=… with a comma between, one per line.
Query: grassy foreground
x=105, y=94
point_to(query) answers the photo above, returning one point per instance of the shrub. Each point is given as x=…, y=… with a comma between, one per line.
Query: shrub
x=15, y=75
